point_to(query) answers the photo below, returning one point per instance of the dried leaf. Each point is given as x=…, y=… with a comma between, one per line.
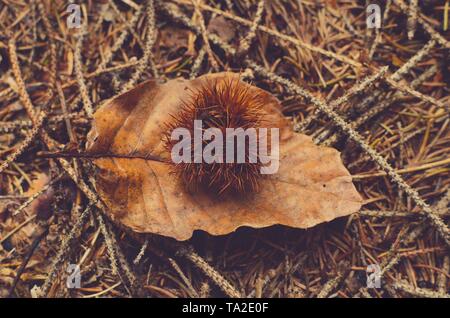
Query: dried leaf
x=311, y=186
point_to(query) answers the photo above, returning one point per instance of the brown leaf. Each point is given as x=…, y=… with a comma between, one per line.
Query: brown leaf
x=311, y=186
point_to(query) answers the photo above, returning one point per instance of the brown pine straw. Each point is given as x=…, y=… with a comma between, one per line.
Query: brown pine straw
x=212, y=58
x=65, y=165
x=209, y=271
x=323, y=107
x=412, y=18
x=148, y=55
x=25, y=143
x=441, y=227
x=419, y=292
x=413, y=254
x=401, y=87
x=426, y=26
x=275, y=33
x=50, y=34
x=79, y=72
x=245, y=43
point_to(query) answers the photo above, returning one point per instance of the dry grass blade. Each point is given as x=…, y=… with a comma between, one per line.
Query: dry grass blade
x=419, y=292
x=282, y=36
x=148, y=55
x=209, y=271
x=79, y=72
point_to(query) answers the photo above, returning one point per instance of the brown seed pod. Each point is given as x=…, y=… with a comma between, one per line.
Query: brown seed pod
x=220, y=104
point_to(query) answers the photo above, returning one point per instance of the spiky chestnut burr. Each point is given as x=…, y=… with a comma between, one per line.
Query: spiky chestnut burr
x=221, y=103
